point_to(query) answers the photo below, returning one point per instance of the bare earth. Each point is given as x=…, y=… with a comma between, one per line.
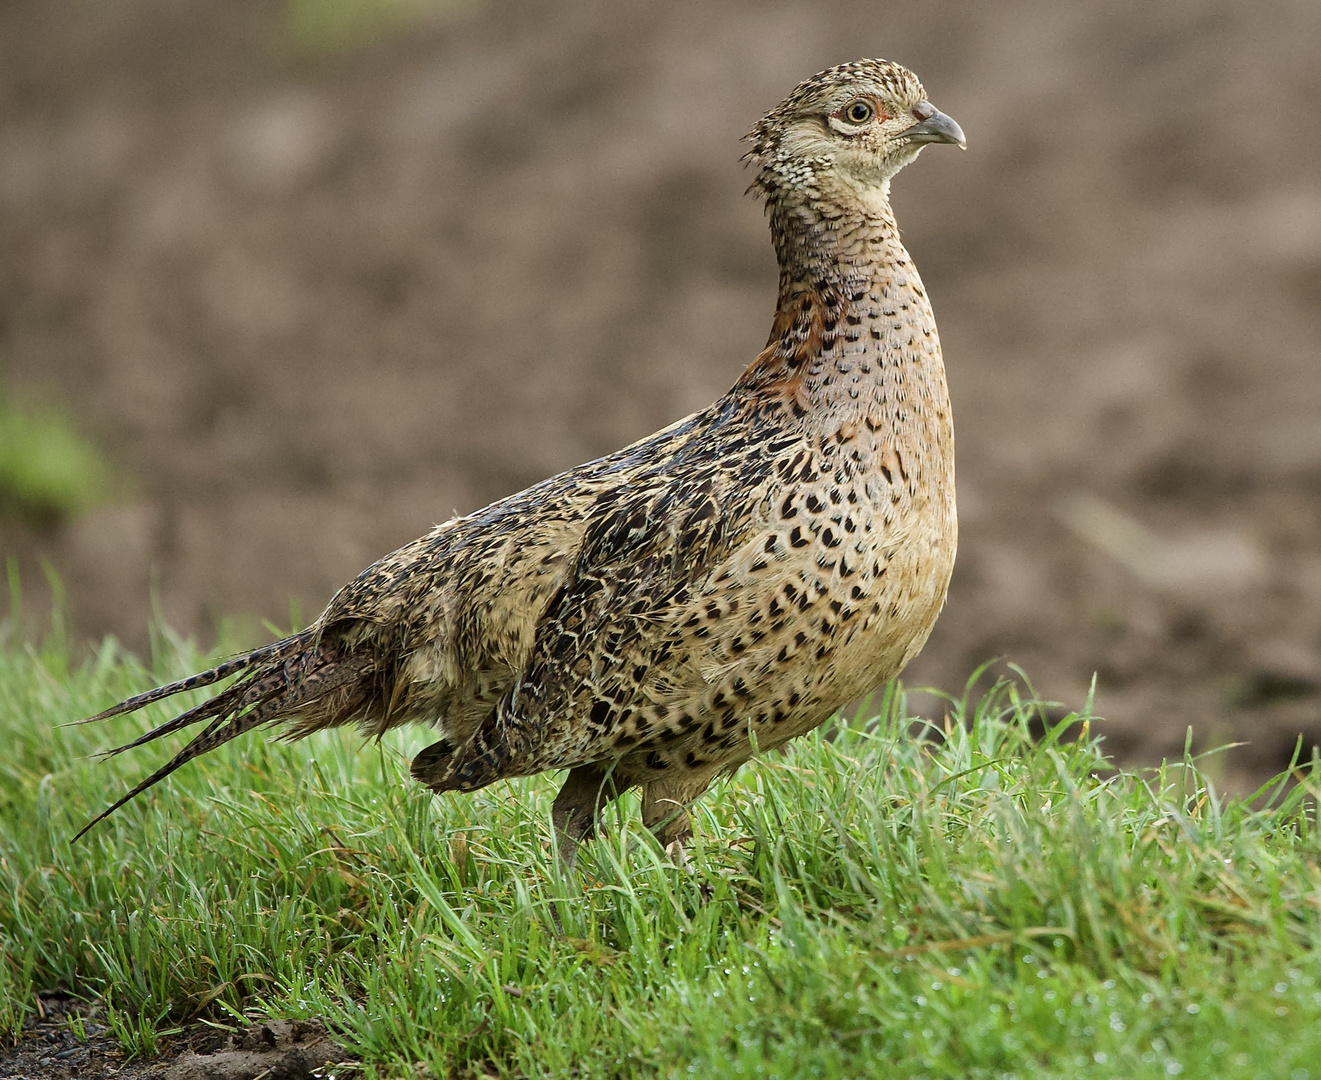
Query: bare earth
x=279, y=1050
x=311, y=305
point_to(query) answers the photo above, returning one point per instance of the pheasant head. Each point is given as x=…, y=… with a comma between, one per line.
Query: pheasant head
x=843, y=133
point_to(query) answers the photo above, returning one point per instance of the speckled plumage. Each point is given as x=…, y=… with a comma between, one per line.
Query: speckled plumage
x=647, y=618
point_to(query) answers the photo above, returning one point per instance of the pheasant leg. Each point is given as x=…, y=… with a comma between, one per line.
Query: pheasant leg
x=586, y=792
x=665, y=806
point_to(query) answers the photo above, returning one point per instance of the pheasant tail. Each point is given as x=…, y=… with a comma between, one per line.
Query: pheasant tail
x=310, y=684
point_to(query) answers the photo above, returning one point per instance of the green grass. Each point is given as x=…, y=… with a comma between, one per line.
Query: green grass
x=984, y=905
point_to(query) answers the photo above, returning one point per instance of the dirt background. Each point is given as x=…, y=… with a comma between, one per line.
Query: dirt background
x=312, y=301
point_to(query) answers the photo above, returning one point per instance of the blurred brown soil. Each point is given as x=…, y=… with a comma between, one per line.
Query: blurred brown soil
x=312, y=304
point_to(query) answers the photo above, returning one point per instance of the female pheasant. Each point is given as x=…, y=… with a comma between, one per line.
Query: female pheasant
x=728, y=582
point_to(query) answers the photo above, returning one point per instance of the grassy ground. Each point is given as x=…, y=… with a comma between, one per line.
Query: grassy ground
x=983, y=905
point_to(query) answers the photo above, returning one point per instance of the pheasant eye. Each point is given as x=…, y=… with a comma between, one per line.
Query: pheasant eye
x=858, y=113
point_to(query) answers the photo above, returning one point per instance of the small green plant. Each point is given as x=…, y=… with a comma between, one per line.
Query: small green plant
x=139, y=1034
x=315, y=28
x=47, y=470
x=78, y=1025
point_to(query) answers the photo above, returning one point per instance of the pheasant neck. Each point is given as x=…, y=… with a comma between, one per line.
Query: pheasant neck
x=854, y=339
x=818, y=241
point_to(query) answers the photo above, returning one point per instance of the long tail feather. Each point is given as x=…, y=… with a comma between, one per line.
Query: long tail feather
x=221, y=705
x=275, y=651
x=316, y=687
x=217, y=733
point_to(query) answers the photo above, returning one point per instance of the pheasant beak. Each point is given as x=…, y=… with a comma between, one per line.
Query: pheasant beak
x=934, y=126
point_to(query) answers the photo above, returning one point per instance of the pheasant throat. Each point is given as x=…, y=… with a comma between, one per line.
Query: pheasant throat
x=853, y=339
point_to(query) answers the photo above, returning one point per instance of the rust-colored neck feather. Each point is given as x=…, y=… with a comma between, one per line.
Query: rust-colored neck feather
x=854, y=340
